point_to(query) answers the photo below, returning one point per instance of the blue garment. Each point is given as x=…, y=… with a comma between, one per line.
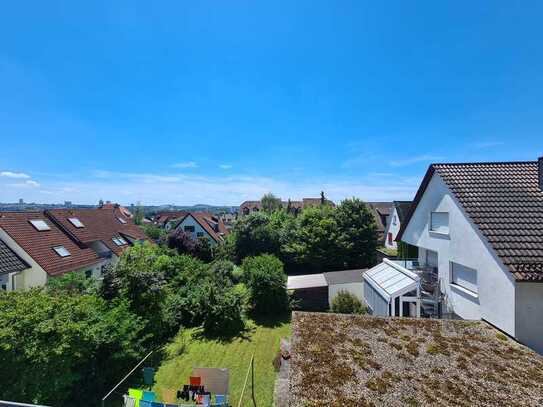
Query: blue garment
x=220, y=399
x=145, y=403
x=148, y=396
x=157, y=404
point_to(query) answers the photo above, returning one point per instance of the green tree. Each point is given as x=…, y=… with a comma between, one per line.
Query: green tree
x=266, y=281
x=253, y=235
x=73, y=283
x=62, y=349
x=153, y=232
x=271, y=203
x=314, y=245
x=357, y=233
x=346, y=303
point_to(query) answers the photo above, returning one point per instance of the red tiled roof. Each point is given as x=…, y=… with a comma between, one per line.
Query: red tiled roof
x=505, y=202
x=99, y=224
x=39, y=245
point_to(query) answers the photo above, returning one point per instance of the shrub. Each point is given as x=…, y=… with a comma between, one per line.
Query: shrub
x=346, y=303
x=73, y=283
x=266, y=280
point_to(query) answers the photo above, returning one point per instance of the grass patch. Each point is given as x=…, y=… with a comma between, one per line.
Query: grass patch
x=190, y=349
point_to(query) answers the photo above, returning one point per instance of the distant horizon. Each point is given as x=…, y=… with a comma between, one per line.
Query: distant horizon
x=224, y=102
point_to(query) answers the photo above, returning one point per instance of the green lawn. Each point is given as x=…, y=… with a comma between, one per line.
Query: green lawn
x=189, y=350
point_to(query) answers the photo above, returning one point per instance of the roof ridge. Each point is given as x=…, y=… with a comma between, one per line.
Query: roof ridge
x=484, y=163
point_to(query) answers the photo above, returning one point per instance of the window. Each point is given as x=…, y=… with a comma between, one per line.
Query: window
x=40, y=225
x=394, y=220
x=189, y=229
x=76, y=222
x=389, y=238
x=119, y=241
x=123, y=221
x=200, y=234
x=464, y=277
x=88, y=273
x=61, y=251
x=439, y=222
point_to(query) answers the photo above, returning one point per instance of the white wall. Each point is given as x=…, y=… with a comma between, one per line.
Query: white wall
x=495, y=301
x=190, y=221
x=356, y=289
x=529, y=315
x=392, y=228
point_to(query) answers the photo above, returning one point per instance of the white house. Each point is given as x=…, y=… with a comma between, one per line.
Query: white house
x=397, y=216
x=203, y=224
x=479, y=230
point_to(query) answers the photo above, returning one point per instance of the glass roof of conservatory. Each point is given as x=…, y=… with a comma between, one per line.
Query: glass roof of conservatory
x=391, y=280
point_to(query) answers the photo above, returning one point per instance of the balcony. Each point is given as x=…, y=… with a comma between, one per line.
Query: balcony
x=430, y=292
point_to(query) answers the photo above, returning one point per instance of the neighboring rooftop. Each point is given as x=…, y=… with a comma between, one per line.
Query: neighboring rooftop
x=41, y=244
x=381, y=211
x=211, y=223
x=9, y=261
x=505, y=201
x=105, y=224
x=402, y=208
x=348, y=360
x=344, y=276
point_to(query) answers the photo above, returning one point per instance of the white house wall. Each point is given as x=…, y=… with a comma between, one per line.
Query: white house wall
x=392, y=228
x=356, y=289
x=190, y=221
x=529, y=315
x=465, y=245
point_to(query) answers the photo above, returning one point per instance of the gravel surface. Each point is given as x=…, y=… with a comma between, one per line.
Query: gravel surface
x=346, y=360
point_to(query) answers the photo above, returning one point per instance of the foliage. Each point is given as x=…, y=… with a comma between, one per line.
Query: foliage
x=254, y=234
x=154, y=232
x=73, y=283
x=270, y=203
x=346, y=303
x=266, y=280
x=139, y=214
x=407, y=251
x=185, y=244
x=64, y=349
x=357, y=237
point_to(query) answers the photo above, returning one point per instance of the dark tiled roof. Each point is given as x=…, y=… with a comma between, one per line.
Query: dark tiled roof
x=9, y=261
x=381, y=210
x=100, y=224
x=402, y=208
x=505, y=201
x=39, y=245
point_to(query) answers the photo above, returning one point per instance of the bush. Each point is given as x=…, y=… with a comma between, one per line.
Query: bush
x=64, y=350
x=346, y=303
x=266, y=280
x=73, y=283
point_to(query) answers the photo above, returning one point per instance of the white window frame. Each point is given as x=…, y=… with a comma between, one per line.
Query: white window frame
x=76, y=222
x=40, y=225
x=467, y=288
x=62, y=251
x=440, y=232
x=122, y=220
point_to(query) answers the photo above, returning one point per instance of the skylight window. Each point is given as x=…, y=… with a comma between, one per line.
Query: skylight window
x=40, y=225
x=61, y=251
x=76, y=222
x=123, y=221
x=119, y=241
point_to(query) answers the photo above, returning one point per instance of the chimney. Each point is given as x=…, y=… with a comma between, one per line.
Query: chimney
x=540, y=173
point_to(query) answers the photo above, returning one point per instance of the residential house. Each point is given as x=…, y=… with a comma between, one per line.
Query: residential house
x=203, y=224
x=394, y=220
x=36, y=249
x=169, y=219
x=381, y=212
x=479, y=231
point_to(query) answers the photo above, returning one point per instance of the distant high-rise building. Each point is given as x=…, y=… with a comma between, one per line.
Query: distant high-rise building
x=21, y=201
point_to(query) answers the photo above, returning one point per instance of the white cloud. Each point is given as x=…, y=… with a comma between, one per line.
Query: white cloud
x=184, y=189
x=225, y=166
x=26, y=184
x=33, y=184
x=9, y=174
x=187, y=164
x=416, y=159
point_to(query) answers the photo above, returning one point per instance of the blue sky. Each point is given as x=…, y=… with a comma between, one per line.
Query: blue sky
x=218, y=102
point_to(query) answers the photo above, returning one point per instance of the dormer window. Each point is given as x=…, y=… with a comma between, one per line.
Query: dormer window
x=39, y=225
x=76, y=222
x=61, y=251
x=119, y=241
x=121, y=220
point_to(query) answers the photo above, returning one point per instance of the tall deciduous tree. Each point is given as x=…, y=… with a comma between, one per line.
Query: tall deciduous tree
x=270, y=203
x=357, y=233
